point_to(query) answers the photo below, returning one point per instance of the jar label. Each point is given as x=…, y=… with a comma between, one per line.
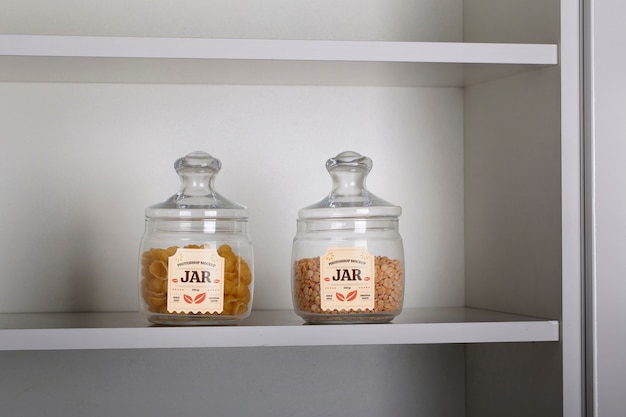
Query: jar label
x=195, y=281
x=347, y=279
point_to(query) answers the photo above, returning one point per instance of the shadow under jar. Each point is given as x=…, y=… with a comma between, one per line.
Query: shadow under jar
x=348, y=256
x=196, y=260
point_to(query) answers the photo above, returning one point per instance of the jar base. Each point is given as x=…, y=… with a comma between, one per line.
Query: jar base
x=364, y=318
x=193, y=320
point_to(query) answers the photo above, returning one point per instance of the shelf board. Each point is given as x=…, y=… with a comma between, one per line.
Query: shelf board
x=38, y=58
x=63, y=331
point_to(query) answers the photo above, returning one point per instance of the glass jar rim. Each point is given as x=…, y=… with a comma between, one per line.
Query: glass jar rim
x=196, y=213
x=349, y=212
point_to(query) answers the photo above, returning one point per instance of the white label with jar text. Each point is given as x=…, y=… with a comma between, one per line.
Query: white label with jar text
x=195, y=282
x=347, y=279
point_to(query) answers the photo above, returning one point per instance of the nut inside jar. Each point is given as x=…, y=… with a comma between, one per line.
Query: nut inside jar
x=154, y=284
x=388, y=295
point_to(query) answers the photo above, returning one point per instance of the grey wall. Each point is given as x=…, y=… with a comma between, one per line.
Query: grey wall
x=312, y=381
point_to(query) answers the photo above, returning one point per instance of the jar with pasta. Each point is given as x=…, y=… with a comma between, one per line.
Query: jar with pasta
x=196, y=260
x=348, y=257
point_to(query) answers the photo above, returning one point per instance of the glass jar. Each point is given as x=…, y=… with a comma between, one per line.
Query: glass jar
x=348, y=257
x=196, y=260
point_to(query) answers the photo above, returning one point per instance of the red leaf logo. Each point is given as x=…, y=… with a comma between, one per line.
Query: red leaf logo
x=340, y=296
x=217, y=281
x=188, y=299
x=199, y=298
x=367, y=278
x=327, y=279
x=351, y=295
x=174, y=279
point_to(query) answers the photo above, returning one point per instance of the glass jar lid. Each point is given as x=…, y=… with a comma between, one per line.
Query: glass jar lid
x=349, y=197
x=197, y=198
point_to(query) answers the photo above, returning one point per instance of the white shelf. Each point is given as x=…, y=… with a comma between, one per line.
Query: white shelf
x=63, y=331
x=292, y=50
x=265, y=61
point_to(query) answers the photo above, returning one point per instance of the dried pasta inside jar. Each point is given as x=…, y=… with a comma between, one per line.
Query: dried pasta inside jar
x=156, y=282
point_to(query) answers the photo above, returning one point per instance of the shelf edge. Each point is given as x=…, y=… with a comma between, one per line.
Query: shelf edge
x=274, y=336
x=271, y=49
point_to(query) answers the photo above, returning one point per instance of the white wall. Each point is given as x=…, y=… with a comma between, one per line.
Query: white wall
x=608, y=138
x=86, y=159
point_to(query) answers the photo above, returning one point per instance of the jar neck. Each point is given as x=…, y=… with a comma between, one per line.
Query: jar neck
x=197, y=225
x=350, y=225
x=348, y=183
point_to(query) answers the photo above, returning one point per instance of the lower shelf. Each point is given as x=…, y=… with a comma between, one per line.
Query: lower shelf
x=66, y=331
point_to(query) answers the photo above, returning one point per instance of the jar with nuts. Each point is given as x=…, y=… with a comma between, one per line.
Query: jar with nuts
x=196, y=260
x=348, y=257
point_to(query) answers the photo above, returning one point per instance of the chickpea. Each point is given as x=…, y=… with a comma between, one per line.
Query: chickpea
x=388, y=284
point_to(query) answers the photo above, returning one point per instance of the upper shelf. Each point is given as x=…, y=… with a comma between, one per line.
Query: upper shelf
x=268, y=328
x=261, y=61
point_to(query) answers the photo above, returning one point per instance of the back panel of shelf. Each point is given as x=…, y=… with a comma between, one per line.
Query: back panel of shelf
x=402, y=20
x=97, y=155
x=306, y=381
